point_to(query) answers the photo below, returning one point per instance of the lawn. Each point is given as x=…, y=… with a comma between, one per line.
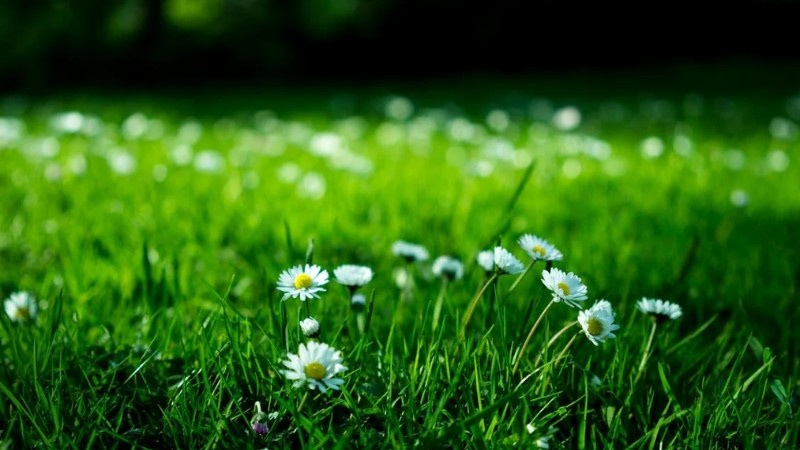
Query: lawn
x=152, y=231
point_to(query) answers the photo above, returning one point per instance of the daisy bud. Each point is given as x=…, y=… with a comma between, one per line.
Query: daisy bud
x=259, y=421
x=310, y=327
x=358, y=301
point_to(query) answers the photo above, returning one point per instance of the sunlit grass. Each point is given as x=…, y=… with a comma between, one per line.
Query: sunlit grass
x=153, y=242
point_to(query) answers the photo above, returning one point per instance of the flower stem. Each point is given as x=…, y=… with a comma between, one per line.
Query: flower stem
x=530, y=335
x=361, y=322
x=519, y=278
x=494, y=309
x=285, y=325
x=566, y=347
x=302, y=403
x=553, y=340
x=437, y=310
x=474, y=302
x=643, y=362
x=639, y=372
x=557, y=359
x=408, y=288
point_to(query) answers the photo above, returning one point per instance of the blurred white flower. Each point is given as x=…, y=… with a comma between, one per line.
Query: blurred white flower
x=134, y=127
x=486, y=260
x=209, y=161
x=783, y=128
x=410, y=252
x=352, y=276
x=739, y=198
x=67, y=122
x=506, y=262
x=447, y=267
x=567, y=118
x=312, y=185
x=399, y=108
x=21, y=307
x=498, y=120
x=652, y=147
x=777, y=160
x=121, y=162
x=659, y=309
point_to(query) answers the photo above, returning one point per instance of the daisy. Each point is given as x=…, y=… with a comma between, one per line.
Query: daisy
x=447, y=267
x=302, y=282
x=410, y=252
x=598, y=322
x=486, y=260
x=506, y=262
x=539, y=249
x=352, y=276
x=310, y=327
x=659, y=309
x=317, y=365
x=21, y=307
x=564, y=286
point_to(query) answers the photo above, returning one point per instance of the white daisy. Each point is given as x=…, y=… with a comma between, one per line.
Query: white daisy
x=564, y=286
x=21, y=307
x=317, y=365
x=659, y=308
x=352, y=276
x=302, y=282
x=410, y=252
x=506, y=262
x=310, y=327
x=598, y=322
x=486, y=260
x=447, y=267
x=539, y=249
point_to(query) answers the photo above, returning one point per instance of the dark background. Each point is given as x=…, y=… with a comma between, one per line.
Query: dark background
x=60, y=43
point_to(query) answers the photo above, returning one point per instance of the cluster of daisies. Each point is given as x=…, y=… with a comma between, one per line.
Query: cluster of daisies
x=319, y=366
x=597, y=322
x=316, y=364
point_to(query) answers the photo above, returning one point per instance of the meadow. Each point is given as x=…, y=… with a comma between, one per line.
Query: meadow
x=152, y=232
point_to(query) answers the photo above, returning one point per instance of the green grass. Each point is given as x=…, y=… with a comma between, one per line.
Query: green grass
x=160, y=325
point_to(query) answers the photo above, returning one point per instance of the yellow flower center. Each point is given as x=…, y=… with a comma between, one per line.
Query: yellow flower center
x=303, y=281
x=563, y=286
x=538, y=249
x=315, y=370
x=23, y=313
x=594, y=326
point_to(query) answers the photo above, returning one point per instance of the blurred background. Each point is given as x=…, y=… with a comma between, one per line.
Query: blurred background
x=57, y=43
